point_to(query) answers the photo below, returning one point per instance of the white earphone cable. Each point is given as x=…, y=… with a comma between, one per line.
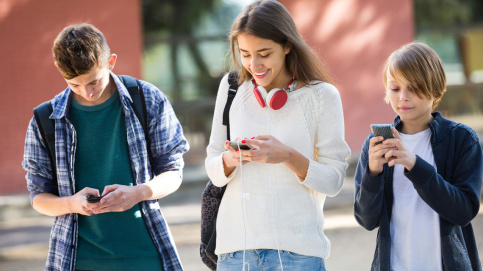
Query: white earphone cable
x=243, y=212
x=273, y=202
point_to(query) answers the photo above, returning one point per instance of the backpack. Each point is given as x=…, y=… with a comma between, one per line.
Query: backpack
x=212, y=195
x=47, y=126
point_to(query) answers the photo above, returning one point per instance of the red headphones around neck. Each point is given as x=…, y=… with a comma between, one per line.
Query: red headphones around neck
x=276, y=98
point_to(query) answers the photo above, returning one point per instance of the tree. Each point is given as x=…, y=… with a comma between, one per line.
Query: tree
x=447, y=13
x=174, y=22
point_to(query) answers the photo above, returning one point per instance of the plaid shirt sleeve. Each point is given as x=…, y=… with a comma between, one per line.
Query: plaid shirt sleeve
x=36, y=162
x=167, y=147
x=165, y=132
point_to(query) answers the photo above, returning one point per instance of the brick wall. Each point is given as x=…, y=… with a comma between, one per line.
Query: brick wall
x=354, y=38
x=27, y=73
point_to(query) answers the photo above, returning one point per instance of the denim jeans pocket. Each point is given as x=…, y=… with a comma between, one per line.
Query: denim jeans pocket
x=299, y=262
x=296, y=255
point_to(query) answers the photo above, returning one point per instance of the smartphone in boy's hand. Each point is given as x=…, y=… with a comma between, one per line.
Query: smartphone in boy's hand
x=93, y=199
x=384, y=130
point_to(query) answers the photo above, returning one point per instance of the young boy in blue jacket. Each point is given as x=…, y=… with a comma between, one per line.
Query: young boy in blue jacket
x=422, y=187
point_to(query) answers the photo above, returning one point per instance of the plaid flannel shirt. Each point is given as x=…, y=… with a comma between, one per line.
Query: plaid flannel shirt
x=167, y=147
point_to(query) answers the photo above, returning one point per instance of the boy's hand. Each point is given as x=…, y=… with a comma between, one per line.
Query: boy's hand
x=119, y=198
x=378, y=154
x=78, y=202
x=401, y=155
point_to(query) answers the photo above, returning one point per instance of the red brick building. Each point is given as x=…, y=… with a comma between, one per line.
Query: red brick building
x=27, y=72
x=354, y=37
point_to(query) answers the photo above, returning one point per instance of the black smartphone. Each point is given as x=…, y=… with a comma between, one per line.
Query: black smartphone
x=235, y=144
x=384, y=130
x=93, y=199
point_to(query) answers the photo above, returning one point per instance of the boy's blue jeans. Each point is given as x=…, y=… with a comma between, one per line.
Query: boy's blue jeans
x=267, y=259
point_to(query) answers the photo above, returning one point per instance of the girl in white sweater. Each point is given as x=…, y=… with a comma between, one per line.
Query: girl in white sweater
x=271, y=215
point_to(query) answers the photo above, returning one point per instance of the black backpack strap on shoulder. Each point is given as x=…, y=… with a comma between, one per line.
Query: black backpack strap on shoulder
x=212, y=195
x=47, y=131
x=233, y=81
x=135, y=89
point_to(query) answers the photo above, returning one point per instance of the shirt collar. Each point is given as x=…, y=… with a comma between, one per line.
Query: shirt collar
x=123, y=92
x=439, y=125
x=61, y=102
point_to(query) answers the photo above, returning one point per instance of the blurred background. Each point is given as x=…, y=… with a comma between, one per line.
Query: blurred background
x=181, y=46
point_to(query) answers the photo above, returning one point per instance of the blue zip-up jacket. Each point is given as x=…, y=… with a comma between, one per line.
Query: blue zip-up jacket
x=453, y=191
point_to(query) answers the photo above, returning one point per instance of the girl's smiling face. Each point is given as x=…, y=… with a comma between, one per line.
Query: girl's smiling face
x=264, y=59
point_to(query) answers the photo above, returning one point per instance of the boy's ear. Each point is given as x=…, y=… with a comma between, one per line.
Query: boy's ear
x=386, y=98
x=112, y=61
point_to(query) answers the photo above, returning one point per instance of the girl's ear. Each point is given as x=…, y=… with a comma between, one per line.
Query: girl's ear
x=287, y=47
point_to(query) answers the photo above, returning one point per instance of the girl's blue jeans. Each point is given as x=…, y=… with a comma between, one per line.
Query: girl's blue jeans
x=267, y=259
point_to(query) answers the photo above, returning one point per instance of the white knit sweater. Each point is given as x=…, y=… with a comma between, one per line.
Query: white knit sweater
x=312, y=123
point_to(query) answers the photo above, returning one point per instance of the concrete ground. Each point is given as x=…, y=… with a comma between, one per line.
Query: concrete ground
x=24, y=238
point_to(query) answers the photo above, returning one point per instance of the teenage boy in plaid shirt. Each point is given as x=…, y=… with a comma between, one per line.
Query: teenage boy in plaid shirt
x=101, y=151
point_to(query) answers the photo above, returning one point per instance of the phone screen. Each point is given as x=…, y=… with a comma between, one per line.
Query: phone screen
x=92, y=199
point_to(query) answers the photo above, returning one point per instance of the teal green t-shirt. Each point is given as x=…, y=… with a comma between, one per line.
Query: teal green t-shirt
x=115, y=240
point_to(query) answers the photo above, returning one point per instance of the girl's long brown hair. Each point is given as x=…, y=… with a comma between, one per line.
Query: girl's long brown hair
x=268, y=19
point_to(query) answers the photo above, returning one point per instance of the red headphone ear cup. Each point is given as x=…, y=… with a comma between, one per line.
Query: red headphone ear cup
x=259, y=96
x=278, y=99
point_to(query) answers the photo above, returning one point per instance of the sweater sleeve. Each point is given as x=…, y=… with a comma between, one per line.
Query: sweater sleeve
x=215, y=149
x=326, y=174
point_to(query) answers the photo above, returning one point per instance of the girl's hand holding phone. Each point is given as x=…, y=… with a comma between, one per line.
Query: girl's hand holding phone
x=267, y=149
x=270, y=150
x=231, y=158
x=264, y=149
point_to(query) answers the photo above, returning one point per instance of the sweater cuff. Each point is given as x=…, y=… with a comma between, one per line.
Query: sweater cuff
x=421, y=173
x=221, y=171
x=372, y=184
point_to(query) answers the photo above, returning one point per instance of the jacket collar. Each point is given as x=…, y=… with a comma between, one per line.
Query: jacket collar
x=440, y=126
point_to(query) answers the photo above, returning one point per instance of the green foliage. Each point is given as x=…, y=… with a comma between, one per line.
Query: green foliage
x=444, y=13
x=185, y=41
x=178, y=16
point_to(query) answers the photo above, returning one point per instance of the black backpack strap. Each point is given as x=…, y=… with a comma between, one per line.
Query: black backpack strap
x=212, y=195
x=139, y=105
x=47, y=131
x=233, y=81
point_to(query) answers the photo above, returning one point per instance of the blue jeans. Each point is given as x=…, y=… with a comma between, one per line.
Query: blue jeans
x=267, y=259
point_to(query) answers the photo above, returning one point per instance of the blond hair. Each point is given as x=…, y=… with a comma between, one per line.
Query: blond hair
x=421, y=67
x=268, y=19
